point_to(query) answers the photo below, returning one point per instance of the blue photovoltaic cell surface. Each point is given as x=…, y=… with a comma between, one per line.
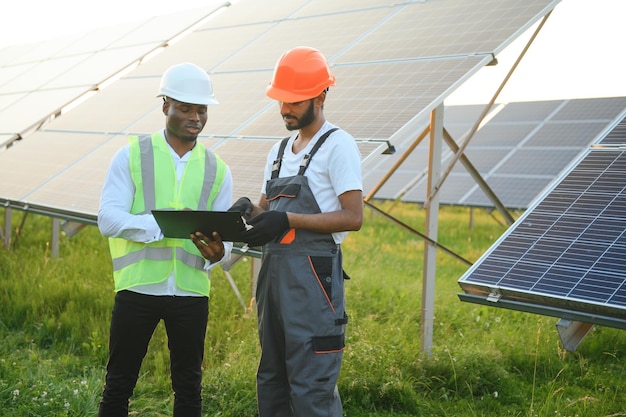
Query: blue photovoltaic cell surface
x=569, y=251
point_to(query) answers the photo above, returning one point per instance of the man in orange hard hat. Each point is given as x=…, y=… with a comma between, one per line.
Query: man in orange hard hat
x=311, y=198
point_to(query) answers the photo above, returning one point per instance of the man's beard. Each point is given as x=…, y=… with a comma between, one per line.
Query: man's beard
x=307, y=118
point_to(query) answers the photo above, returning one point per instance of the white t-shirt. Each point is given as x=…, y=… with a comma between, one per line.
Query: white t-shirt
x=334, y=169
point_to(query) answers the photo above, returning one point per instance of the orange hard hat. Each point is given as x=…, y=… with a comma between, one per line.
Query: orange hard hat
x=300, y=74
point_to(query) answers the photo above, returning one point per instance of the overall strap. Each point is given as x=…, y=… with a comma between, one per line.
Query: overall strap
x=279, y=158
x=307, y=158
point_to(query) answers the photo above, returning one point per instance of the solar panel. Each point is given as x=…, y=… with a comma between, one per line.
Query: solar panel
x=329, y=33
x=259, y=11
x=520, y=150
x=388, y=79
x=517, y=191
x=52, y=178
x=444, y=28
x=528, y=112
x=224, y=42
x=37, y=80
x=615, y=136
x=567, y=254
x=350, y=104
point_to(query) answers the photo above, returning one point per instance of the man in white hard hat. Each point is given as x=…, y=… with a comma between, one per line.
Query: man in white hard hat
x=159, y=278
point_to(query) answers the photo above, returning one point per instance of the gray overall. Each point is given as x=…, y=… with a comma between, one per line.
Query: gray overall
x=301, y=310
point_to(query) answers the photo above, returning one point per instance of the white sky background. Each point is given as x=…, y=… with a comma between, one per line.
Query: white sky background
x=26, y=21
x=577, y=54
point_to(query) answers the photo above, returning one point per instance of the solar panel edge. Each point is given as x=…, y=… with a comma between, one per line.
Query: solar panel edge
x=495, y=295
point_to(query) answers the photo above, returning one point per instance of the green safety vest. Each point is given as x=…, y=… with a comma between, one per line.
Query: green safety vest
x=137, y=263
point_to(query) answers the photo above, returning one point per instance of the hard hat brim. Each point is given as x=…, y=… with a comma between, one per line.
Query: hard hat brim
x=287, y=96
x=210, y=102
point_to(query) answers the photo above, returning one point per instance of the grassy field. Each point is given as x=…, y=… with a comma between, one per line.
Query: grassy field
x=485, y=361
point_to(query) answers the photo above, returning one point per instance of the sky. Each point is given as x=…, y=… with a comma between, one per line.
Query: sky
x=576, y=55
x=37, y=20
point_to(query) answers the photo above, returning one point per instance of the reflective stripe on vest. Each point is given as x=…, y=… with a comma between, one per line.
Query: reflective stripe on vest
x=158, y=254
x=139, y=264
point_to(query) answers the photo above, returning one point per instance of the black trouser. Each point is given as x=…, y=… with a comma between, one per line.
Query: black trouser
x=134, y=318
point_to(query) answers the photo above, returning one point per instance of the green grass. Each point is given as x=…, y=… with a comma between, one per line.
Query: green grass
x=485, y=361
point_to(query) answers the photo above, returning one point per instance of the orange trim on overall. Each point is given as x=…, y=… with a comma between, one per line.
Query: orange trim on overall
x=330, y=303
x=281, y=195
x=289, y=237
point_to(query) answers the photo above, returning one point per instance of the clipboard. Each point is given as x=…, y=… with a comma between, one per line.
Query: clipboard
x=181, y=223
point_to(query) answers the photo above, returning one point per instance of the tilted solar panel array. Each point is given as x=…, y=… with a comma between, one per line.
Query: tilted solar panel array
x=567, y=253
x=38, y=79
x=394, y=63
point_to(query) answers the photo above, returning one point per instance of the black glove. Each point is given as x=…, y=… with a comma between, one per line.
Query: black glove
x=243, y=206
x=265, y=227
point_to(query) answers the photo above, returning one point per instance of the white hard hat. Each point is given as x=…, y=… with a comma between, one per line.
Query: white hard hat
x=187, y=83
